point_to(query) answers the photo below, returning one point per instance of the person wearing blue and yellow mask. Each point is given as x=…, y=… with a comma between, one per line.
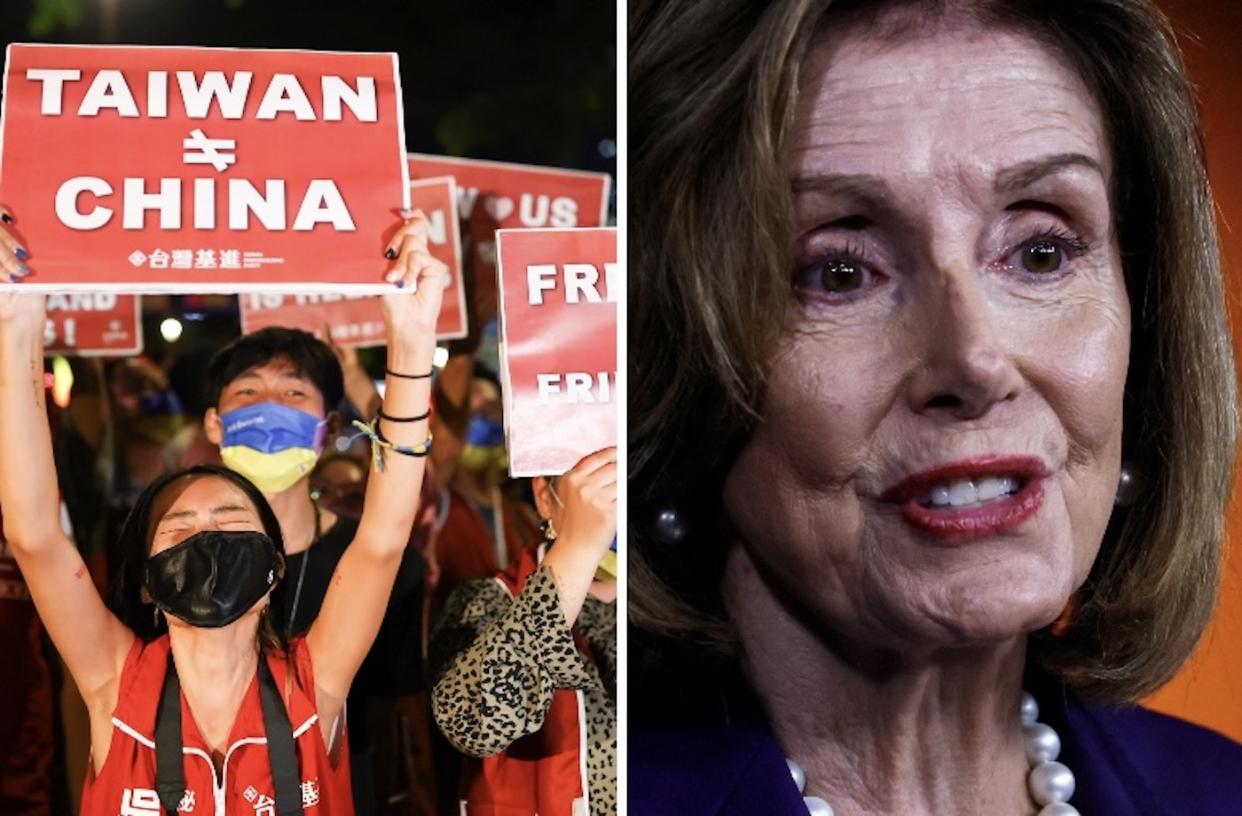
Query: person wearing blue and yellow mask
x=274, y=395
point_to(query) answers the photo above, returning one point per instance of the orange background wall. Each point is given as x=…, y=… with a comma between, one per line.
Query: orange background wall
x=1209, y=689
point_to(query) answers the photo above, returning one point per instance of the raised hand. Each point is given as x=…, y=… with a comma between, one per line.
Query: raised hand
x=420, y=277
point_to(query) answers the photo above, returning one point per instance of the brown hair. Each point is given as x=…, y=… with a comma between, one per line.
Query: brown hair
x=712, y=91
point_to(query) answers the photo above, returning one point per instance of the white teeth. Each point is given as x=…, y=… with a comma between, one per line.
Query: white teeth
x=990, y=487
x=961, y=492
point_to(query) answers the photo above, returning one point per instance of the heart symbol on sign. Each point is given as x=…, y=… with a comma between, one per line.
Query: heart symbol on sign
x=498, y=207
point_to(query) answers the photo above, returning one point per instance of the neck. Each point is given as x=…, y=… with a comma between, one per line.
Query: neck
x=296, y=514
x=881, y=731
x=215, y=667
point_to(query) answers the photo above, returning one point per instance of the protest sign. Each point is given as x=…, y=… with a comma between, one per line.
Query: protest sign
x=358, y=321
x=558, y=345
x=202, y=169
x=93, y=324
x=500, y=195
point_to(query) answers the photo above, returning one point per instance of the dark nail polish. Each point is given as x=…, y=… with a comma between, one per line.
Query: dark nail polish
x=401, y=284
x=8, y=219
x=23, y=271
x=390, y=253
x=21, y=254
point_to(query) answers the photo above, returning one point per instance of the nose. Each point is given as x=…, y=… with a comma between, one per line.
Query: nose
x=964, y=368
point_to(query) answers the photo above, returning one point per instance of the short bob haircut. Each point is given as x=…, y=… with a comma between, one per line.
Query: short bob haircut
x=710, y=119
x=134, y=548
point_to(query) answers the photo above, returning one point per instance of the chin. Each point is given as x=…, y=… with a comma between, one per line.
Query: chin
x=992, y=605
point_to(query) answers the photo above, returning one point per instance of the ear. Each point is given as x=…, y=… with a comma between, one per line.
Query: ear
x=544, y=503
x=213, y=427
x=332, y=429
x=280, y=568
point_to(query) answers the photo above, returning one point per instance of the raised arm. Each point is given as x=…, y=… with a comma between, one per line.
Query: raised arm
x=91, y=640
x=496, y=663
x=354, y=605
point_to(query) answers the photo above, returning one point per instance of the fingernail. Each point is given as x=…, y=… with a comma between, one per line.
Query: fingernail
x=407, y=212
x=401, y=284
x=8, y=219
x=21, y=254
x=23, y=271
x=390, y=253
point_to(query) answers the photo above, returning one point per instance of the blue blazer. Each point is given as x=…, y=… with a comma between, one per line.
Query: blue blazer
x=1127, y=762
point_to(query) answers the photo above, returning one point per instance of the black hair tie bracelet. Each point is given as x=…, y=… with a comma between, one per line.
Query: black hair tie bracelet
x=390, y=418
x=426, y=376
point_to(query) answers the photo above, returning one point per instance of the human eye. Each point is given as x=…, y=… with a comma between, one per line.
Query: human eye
x=1046, y=254
x=838, y=275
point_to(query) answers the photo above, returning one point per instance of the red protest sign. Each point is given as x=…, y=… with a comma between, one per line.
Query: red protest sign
x=93, y=324
x=358, y=321
x=202, y=169
x=558, y=351
x=500, y=195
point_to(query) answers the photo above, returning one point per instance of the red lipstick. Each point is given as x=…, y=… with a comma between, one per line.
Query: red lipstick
x=1000, y=515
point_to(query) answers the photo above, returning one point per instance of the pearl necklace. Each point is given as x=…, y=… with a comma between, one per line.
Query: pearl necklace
x=1050, y=783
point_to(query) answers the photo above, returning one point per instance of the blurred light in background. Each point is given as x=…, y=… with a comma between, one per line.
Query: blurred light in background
x=608, y=149
x=170, y=328
x=440, y=358
x=62, y=381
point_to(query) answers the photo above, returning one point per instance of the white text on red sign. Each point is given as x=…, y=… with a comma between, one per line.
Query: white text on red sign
x=320, y=202
x=580, y=282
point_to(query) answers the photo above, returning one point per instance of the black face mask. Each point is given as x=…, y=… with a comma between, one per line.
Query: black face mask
x=212, y=578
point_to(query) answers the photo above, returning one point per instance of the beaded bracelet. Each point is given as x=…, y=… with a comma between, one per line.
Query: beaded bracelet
x=426, y=376
x=379, y=444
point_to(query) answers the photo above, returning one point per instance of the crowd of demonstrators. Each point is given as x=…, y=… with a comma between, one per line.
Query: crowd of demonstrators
x=144, y=454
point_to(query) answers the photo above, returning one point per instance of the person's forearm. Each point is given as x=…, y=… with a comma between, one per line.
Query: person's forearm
x=28, y=491
x=392, y=493
x=573, y=569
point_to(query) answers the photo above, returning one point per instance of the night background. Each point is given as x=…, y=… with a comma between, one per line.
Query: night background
x=529, y=82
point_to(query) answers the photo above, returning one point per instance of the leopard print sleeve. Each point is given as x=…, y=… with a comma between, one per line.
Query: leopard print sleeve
x=597, y=622
x=496, y=662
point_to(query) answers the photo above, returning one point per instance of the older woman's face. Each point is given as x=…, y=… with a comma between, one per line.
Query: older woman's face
x=941, y=439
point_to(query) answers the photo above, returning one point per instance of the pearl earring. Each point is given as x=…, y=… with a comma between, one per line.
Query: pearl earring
x=549, y=532
x=669, y=524
x=1130, y=484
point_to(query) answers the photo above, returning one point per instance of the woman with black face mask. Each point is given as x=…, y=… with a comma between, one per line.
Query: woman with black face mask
x=198, y=704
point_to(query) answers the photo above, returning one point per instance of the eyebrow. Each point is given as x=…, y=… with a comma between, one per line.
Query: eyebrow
x=1023, y=175
x=215, y=511
x=287, y=374
x=875, y=190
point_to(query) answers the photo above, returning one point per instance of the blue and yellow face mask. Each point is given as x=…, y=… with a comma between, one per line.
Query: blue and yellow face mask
x=271, y=444
x=484, y=448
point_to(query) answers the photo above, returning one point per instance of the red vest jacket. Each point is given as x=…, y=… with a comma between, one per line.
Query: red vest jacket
x=126, y=783
x=541, y=774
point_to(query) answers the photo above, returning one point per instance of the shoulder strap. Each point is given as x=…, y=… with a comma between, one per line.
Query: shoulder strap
x=280, y=750
x=169, y=771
